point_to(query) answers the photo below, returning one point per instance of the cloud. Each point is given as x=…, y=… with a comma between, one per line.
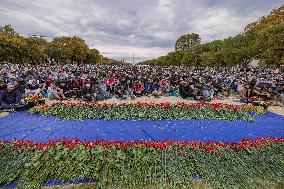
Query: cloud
x=126, y=52
x=119, y=28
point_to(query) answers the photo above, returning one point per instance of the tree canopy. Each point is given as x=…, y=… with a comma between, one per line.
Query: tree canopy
x=35, y=50
x=186, y=41
x=262, y=39
x=276, y=17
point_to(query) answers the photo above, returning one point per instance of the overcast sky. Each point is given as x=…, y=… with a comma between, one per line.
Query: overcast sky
x=147, y=28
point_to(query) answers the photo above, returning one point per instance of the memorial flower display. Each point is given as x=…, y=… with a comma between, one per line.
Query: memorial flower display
x=130, y=164
x=254, y=109
x=148, y=111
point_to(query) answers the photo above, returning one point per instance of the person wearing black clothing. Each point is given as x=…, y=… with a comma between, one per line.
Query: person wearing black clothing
x=218, y=86
x=3, y=85
x=87, y=92
x=252, y=83
x=64, y=85
x=184, y=90
x=119, y=92
x=10, y=97
x=75, y=88
x=260, y=93
x=22, y=85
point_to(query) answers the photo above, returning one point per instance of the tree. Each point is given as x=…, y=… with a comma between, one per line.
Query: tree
x=213, y=46
x=93, y=57
x=186, y=41
x=240, y=47
x=191, y=56
x=270, y=45
x=12, y=46
x=209, y=59
x=18, y=49
x=35, y=52
x=268, y=31
x=69, y=49
x=275, y=17
x=8, y=30
x=79, y=50
x=172, y=58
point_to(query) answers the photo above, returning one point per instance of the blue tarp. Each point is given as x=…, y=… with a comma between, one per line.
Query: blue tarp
x=22, y=125
x=52, y=183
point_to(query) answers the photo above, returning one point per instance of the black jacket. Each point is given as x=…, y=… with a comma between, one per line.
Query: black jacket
x=12, y=97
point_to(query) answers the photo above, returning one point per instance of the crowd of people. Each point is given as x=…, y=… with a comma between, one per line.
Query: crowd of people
x=19, y=82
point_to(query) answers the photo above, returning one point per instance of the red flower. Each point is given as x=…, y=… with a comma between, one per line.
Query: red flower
x=105, y=152
x=208, y=147
x=181, y=153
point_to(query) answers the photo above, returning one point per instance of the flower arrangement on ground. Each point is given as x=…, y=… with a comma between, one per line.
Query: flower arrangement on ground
x=140, y=163
x=151, y=111
x=254, y=109
x=34, y=98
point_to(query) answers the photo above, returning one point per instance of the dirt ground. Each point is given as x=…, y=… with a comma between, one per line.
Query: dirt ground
x=2, y=114
x=275, y=109
x=173, y=100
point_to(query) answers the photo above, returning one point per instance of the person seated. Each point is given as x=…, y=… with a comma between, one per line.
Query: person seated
x=173, y=91
x=138, y=88
x=279, y=100
x=245, y=93
x=99, y=94
x=261, y=93
x=87, y=92
x=128, y=89
x=103, y=89
x=198, y=90
x=119, y=92
x=55, y=92
x=189, y=90
x=32, y=89
x=110, y=82
x=156, y=89
x=67, y=86
x=279, y=89
x=240, y=87
x=165, y=87
x=62, y=84
x=22, y=85
x=3, y=85
x=184, y=90
x=76, y=87
x=219, y=87
x=10, y=98
x=148, y=86
x=208, y=91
